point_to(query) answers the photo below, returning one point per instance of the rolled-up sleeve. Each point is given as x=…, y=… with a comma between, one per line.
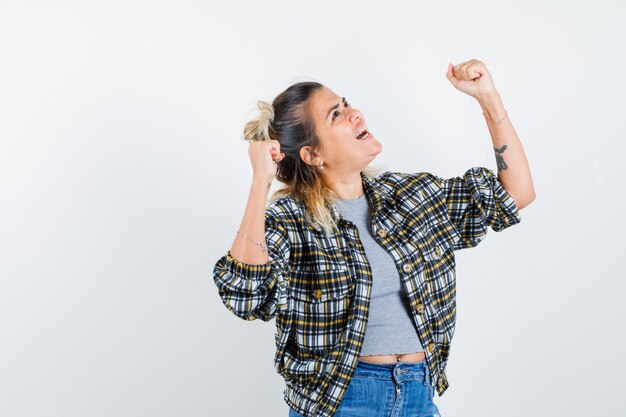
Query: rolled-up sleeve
x=475, y=201
x=256, y=291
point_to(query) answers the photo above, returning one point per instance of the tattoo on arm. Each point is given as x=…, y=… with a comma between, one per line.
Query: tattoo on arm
x=499, y=159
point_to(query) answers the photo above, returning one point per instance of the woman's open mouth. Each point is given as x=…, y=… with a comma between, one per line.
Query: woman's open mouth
x=363, y=134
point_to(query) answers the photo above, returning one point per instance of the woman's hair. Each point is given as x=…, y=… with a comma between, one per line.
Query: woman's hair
x=288, y=120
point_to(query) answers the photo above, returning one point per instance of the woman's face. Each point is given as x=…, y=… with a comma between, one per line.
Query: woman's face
x=338, y=125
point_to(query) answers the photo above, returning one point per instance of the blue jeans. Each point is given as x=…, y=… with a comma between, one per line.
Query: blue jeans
x=400, y=389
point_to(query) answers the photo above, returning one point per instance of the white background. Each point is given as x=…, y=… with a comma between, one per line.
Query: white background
x=123, y=179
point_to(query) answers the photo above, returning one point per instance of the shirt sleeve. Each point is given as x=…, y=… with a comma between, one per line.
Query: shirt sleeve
x=477, y=200
x=256, y=291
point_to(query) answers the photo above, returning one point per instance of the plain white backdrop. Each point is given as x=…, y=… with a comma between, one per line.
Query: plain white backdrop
x=123, y=179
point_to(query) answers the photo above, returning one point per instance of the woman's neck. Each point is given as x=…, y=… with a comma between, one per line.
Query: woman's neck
x=346, y=187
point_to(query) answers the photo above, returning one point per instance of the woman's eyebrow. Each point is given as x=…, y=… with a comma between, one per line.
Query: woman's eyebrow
x=343, y=99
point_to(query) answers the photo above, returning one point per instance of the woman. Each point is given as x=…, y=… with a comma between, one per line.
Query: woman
x=358, y=269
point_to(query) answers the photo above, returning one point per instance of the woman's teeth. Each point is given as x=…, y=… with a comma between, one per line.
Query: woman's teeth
x=362, y=134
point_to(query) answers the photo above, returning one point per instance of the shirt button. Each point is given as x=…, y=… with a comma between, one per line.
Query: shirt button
x=437, y=251
x=407, y=267
x=381, y=232
x=431, y=347
x=420, y=308
x=317, y=294
x=423, y=194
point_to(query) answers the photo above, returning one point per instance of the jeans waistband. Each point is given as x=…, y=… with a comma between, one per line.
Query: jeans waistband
x=397, y=371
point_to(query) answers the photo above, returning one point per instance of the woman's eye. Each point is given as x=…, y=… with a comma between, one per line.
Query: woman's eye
x=335, y=113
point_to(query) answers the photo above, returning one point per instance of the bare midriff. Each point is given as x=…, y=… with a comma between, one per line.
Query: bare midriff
x=394, y=357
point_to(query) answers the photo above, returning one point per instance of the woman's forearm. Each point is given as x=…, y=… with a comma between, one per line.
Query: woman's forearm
x=513, y=169
x=253, y=226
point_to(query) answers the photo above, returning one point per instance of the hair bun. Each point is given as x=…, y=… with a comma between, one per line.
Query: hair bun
x=258, y=129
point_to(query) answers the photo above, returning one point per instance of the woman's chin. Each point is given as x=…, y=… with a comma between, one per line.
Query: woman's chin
x=377, y=148
x=375, y=153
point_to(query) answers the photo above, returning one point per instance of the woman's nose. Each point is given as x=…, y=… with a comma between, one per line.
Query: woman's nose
x=355, y=115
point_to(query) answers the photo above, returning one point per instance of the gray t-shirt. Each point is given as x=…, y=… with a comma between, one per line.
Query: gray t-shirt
x=390, y=327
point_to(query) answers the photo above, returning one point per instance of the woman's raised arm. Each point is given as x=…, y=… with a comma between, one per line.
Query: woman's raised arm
x=249, y=245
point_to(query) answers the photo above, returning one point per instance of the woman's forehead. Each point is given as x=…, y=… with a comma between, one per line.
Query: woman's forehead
x=322, y=101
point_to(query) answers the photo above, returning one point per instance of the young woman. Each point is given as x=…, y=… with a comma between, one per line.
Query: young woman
x=358, y=268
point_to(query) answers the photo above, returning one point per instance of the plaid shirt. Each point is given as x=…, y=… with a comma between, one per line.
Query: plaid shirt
x=317, y=286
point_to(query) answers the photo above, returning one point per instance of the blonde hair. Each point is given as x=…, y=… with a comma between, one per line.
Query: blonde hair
x=287, y=121
x=258, y=128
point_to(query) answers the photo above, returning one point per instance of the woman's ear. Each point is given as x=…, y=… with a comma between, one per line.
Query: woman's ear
x=309, y=156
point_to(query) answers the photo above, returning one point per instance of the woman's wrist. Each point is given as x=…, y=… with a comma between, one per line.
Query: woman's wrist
x=492, y=106
x=261, y=182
